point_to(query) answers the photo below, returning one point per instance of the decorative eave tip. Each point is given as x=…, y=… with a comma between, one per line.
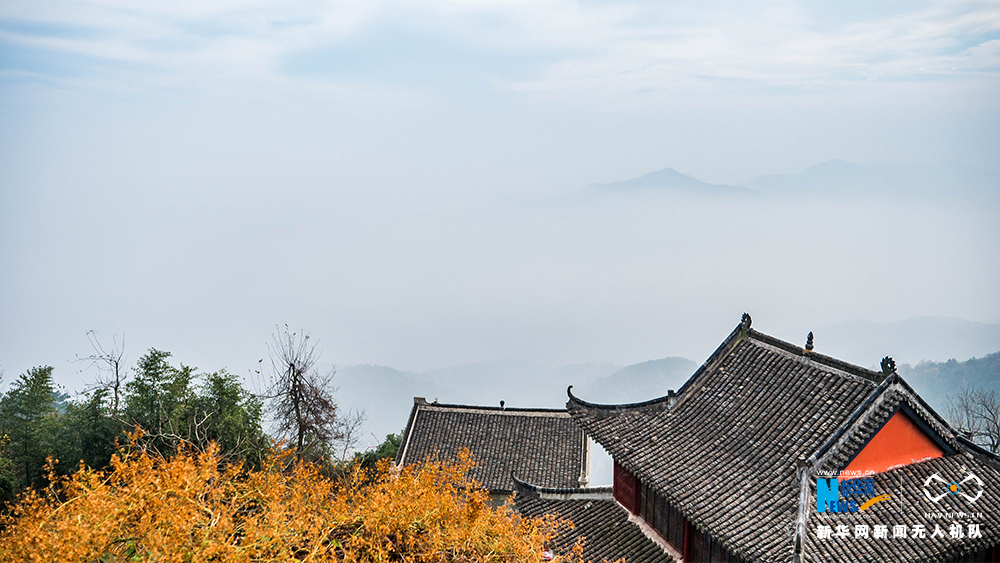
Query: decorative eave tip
x=809, y=342
x=744, y=326
x=888, y=366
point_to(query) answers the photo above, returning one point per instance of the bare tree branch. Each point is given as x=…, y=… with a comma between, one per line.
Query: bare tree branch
x=110, y=364
x=301, y=399
x=976, y=414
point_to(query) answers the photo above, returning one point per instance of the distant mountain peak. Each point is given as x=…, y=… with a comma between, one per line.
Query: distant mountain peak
x=671, y=179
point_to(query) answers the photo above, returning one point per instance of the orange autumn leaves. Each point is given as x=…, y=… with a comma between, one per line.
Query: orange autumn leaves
x=190, y=507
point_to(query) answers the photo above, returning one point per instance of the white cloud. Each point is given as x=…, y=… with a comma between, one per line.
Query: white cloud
x=609, y=49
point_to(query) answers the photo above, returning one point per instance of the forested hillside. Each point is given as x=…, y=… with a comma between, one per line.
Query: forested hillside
x=937, y=382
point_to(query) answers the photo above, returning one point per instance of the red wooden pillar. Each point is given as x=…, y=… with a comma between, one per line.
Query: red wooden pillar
x=688, y=540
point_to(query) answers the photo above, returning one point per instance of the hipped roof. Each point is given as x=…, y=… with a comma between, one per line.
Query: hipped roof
x=729, y=450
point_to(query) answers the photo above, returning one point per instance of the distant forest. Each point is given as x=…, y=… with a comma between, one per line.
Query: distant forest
x=938, y=382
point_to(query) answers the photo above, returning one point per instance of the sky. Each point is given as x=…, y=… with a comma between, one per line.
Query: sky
x=407, y=180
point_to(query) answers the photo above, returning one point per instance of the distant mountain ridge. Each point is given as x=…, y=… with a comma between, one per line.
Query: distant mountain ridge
x=920, y=345
x=913, y=340
x=840, y=178
x=937, y=382
x=640, y=382
x=671, y=180
x=833, y=178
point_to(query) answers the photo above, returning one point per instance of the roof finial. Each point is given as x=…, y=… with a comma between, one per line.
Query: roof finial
x=501, y=405
x=809, y=342
x=888, y=366
x=745, y=321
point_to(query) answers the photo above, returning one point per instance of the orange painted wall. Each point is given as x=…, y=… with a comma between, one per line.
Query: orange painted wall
x=899, y=442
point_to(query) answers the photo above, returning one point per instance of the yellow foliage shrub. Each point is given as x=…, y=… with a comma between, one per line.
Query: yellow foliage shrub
x=190, y=507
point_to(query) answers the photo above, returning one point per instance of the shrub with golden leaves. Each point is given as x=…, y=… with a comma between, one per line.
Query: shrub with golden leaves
x=191, y=507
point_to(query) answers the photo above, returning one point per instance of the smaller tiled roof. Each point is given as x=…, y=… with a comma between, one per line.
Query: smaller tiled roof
x=608, y=532
x=542, y=445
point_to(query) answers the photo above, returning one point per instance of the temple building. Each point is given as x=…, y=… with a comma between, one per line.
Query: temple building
x=772, y=452
x=768, y=453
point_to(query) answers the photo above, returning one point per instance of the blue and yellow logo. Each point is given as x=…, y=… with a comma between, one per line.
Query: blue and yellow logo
x=835, y=495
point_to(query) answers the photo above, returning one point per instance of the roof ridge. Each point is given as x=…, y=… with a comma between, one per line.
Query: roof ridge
x=493, y=410
x=422, y=402
x=816, y=357
x=538, y=489
x=743, y=331
x=735, y=337
x=979, y=450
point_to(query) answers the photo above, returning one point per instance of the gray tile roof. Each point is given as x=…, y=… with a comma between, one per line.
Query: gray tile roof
x=725, y=453
x=543, y=446
x=604, y=525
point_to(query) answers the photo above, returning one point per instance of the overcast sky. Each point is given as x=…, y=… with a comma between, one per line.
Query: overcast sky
x=403, y=179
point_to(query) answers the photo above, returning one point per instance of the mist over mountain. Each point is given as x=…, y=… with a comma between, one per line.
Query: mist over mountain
x=669, y=179
x=936, y=382
x=639, y=382
x=383, y=393
x=386, y=394
x=838, y=178
x=832, y=179
x=924, y=348
x=917, y=339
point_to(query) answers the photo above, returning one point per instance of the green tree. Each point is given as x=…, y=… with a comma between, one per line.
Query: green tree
x=159, y=399
x=8, y=482
x=229, y=415
x=174, y=404
x=23, y=413
x=93, y=429
x=386, y=450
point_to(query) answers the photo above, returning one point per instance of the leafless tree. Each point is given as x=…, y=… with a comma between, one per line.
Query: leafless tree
x=110, y=364
x=976, y=413
x=301, y=399
x=350, y=430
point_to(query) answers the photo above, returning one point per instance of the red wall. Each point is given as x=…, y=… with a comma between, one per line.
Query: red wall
x=899, y=442
x=626, y=488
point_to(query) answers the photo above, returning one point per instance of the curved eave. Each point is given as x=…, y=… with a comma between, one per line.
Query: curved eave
x=576, y=403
